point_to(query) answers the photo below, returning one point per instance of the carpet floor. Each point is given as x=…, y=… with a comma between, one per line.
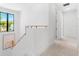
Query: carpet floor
x=62, y=48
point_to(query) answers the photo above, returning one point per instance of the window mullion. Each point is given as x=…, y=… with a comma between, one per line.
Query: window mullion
x=0, y=21
x=7, y=22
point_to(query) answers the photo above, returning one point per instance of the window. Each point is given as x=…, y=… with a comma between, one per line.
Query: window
x=10, y=22
x=6, y=22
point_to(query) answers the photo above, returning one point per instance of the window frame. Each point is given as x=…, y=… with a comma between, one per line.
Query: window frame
x=7, y=20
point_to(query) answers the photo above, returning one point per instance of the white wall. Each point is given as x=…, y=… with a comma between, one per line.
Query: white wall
x=52, y=22
x=34, y=14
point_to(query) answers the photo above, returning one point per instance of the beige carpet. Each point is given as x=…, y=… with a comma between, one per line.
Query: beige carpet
x=62, y=48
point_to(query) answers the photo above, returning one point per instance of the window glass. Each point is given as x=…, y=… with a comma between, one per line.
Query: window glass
x=3, y=22
x=10, y=22
x=6, y=22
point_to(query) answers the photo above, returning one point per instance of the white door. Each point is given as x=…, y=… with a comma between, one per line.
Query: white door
x=70, y=24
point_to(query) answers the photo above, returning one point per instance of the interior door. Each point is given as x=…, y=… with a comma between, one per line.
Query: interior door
x=70, y=22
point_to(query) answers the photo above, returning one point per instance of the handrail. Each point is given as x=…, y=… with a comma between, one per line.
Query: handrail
x=31, y=26
x=21, y=38
x=36, y=26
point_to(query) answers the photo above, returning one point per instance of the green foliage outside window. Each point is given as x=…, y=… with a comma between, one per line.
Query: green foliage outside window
x=6, y=22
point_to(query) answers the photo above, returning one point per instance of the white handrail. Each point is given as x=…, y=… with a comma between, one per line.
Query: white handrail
x=36, y=26
x=30, y=26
